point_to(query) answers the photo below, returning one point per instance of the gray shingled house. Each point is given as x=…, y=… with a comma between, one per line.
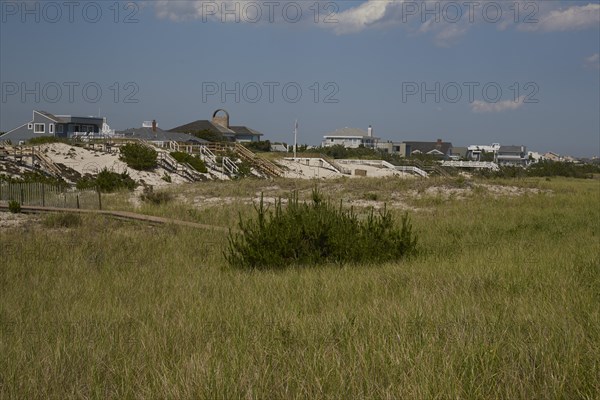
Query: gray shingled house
x=512, y=155
x=439, y=149
x=45, y=124
x=220, y=125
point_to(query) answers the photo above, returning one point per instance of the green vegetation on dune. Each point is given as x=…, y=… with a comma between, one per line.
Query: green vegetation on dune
x=139, y=156
x=107, y=181
x=502, y=301
x=308, y=234
x=194, y=161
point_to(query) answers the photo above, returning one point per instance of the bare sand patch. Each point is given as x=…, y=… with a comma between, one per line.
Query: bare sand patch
x=11, y=220
x=90, y=162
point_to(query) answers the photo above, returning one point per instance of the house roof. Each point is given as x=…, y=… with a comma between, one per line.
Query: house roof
x=202, y=125
x=346, y=132
x=429, y=147
x=243, y=130
x=205, y=125
x=48, y=115
x=160, y=135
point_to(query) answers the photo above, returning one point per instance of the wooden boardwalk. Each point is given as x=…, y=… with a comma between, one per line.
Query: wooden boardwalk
x=123, y=215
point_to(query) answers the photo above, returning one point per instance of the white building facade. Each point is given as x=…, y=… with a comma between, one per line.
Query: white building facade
x=351, y=138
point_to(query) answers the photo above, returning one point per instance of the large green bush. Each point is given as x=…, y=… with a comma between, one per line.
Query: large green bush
x=138, y=156
x=316, y=233
x=107, y=181
x=195, y=162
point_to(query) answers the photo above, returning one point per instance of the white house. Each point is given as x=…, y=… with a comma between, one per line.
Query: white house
x=350, y=138
x=475, y=151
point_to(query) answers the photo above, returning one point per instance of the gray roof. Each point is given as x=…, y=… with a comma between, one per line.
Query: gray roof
x=160, y=135
x=426, y=147
x=204, y=125
x=49, y=115
x=511, y=149
x=348, y=132
x=243, y=130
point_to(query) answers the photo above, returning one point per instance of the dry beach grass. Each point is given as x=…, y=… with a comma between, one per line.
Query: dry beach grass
x=502, y=301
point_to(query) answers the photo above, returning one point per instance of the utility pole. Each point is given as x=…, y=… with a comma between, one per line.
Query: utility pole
x=295, y=138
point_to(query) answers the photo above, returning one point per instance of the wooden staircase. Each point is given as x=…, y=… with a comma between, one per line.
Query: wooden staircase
x=184, y=170
x=265, y=166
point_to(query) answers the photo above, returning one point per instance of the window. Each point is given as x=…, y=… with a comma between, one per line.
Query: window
x=59, y=129
x=76, y=128
x=39, y=128
x=30, y=126
x=51, y=128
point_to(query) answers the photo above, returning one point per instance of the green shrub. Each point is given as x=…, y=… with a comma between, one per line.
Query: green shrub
x=139, y=157
x=62, y=220
x=34, y=177
x=14, y=207
x=260, y=146
x=244, y=168
x=195, y=162
x=150, y=196
x=317, y=233
x=107, y=181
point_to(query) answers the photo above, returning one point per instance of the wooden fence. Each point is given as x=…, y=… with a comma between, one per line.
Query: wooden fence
x=45, y=195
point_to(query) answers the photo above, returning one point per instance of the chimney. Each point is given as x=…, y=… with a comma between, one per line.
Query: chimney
x=438, y=144
x=153, y=125
x=370, y=131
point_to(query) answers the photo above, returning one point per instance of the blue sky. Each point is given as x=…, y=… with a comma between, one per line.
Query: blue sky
x=361, y=67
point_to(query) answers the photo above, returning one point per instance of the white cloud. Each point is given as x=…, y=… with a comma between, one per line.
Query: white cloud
x=363, y=16
x=572, y=18
x=479, y=106
x=545, y=17
x=592, y=62
x=414, y=16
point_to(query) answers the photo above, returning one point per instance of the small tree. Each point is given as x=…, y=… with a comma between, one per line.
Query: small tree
x=138, y=156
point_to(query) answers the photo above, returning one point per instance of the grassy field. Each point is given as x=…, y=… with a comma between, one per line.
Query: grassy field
x=502, y=301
